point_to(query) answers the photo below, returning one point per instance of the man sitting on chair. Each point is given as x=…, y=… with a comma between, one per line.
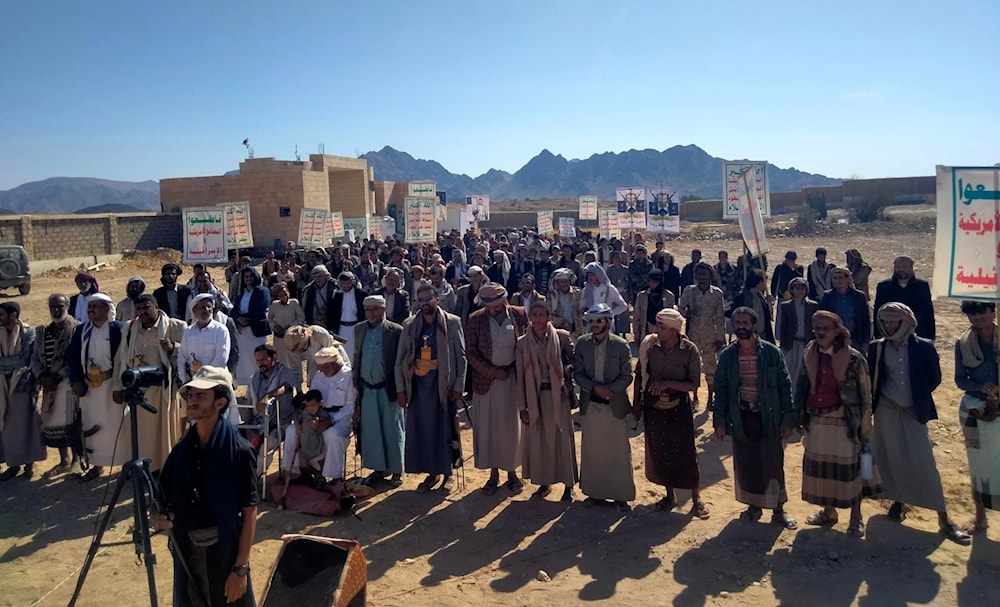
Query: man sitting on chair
x=334, y=379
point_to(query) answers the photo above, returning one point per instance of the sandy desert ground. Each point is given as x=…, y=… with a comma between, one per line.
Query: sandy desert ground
x=471, y=549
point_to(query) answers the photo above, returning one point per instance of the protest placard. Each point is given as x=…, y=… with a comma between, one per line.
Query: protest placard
x=967, y=252
x=204, y=234
x=731, y=172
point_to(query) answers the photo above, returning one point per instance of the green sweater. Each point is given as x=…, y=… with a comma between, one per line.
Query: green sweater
x=773, y=385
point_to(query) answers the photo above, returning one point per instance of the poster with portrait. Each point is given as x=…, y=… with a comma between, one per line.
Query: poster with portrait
x=479, y=207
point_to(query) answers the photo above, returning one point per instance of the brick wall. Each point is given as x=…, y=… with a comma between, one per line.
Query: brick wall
x=73, y=236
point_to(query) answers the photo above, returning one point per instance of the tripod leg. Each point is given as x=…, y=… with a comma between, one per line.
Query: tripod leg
x=96, y=544
x=140, y=532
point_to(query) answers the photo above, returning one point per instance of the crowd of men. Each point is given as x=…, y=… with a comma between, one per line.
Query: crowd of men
x=516, y=329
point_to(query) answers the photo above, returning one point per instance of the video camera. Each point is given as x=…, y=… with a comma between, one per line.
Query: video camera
x=140, y=378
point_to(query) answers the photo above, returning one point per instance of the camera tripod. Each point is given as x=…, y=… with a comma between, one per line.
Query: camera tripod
x=144, y=490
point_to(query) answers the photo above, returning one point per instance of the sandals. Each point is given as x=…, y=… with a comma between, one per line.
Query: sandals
x=622, y=507
x=447, y=486
x=567, y=495
x=491, y=486
x=974, y=527
x=751, y=515
x=778, y=517
x=515, y=486
x=10, y=473
x=541, y=492
x=89, y=475
x=593, y=501
x=396, y=480
x=699, y=510
x=426, y=484
x=953, y=533
x=855, y=528
x=897, y=512
x=666, y=504
x=822, y=519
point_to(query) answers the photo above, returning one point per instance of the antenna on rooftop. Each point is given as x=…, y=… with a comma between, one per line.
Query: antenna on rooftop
x=297, y=157
x=321, y=148
x=246, y=144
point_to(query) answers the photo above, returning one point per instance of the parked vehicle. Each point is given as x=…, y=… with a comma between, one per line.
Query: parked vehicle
x=15, y=270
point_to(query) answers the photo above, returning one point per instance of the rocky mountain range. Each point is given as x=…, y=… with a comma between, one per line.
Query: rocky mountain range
x=688, y=168
x=80, y=194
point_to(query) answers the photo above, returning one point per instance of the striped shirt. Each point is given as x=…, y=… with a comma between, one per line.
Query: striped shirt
x=747, y=384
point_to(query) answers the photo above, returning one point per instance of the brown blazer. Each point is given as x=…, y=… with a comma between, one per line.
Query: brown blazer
x=478, y=349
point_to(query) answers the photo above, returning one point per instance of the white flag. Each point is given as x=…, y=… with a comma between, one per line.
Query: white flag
x=751, y=221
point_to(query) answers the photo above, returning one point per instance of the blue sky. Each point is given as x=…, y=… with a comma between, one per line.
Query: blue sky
x=136, y=90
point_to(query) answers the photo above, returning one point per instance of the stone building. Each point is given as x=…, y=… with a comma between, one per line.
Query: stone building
x=278, y=190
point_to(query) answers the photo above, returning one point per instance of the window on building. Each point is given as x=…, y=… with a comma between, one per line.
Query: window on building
x=284, y=211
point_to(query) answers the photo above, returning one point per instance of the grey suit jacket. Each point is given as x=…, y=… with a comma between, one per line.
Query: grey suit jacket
x=617, y=372
x=390, y=345
x=451, y=355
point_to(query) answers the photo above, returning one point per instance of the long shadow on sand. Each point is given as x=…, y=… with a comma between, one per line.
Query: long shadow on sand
x=981, y=585
x=827, y=567
x=602, y=543
x=729, y=562
x=424, y=534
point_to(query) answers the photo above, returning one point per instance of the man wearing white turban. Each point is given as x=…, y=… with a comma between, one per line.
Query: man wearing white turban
x=90, y=360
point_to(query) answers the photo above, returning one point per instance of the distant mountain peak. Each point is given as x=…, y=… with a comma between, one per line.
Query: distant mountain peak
x=688, y=168
x=72, y=194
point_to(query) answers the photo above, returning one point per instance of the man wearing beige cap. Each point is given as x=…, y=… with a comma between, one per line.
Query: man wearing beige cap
x=490, y=342
x=210, y=488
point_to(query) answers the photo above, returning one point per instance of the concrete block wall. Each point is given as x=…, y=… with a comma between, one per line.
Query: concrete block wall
x=71, y=237
x=148, y=231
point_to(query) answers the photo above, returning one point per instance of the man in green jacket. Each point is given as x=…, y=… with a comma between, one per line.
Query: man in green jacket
x=753, y=405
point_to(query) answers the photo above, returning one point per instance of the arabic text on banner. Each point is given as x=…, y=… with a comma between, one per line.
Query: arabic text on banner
x=731, y=172
x=479, y=207
x=421, y=189
x=608, y=221
x=967, y=256
x=545, y=222
x=333, y=226
x=204, y=234
x=751, y=220
x=664, y=211
x=421, y=219
x=239, y=234
x=631, y=208
x=357, y=226
x=312, y=225
x=567, y=227
x=588, y=207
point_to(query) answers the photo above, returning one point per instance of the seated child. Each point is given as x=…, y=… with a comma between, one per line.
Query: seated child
x=307, y=420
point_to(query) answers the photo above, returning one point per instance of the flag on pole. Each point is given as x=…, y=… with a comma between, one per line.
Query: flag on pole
x=751, y=220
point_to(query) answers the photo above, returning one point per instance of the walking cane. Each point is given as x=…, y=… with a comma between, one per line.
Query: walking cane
x=288, y=478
